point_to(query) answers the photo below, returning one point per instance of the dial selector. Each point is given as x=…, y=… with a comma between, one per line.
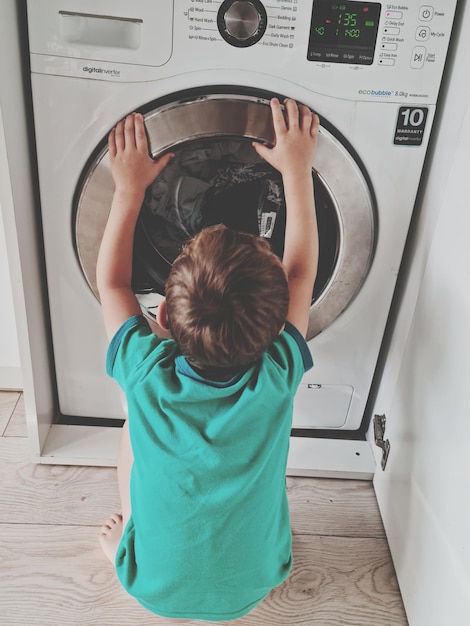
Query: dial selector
x=242, y=22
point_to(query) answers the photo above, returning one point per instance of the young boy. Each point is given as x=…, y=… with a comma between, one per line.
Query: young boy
x=204, y=531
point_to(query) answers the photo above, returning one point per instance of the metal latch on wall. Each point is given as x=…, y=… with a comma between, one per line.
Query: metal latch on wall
x=379, y=432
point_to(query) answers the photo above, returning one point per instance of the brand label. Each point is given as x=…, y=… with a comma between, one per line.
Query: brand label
x=377, y=93
x=101, y=70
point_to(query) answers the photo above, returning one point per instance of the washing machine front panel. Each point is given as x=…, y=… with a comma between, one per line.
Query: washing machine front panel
x=80, y=90
x=345, y=352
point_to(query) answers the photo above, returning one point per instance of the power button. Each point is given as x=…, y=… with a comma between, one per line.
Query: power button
x=426, y=13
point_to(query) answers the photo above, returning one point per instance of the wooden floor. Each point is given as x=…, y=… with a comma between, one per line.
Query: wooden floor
x=53, y=573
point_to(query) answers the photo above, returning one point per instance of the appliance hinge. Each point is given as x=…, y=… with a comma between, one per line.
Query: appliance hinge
x=379, y=432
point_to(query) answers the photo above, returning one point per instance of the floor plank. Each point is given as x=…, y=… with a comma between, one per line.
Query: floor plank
x=324, y=506
x=53, y=494
x=55, y=575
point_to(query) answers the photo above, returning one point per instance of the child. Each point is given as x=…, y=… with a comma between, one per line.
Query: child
x=204, y=531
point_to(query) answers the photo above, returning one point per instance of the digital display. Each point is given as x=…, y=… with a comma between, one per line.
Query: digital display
x=343, y=32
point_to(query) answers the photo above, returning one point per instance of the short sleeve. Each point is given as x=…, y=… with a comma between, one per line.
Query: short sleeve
x=130, y=348
x=299, y=339
x=290, y=356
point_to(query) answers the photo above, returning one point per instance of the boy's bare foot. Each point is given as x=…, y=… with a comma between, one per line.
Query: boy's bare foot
x=110, y=536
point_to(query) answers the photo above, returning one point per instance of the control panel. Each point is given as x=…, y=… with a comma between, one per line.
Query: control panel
x=397, y=50
x=350, y=32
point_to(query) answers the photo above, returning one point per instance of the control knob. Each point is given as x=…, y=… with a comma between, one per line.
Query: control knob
x=242, y=23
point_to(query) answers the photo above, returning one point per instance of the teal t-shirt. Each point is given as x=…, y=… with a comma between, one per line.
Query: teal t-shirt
x=209, y=535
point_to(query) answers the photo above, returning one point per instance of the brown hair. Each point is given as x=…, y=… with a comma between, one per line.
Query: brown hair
x=227, y=298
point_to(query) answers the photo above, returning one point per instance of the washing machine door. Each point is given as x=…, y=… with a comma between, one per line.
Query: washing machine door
x=216, y=176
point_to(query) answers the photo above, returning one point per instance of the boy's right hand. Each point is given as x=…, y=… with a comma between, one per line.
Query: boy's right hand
x=132, y=167
x=296, y=138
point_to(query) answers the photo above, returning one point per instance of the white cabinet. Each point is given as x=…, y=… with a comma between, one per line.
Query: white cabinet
x=423, y=493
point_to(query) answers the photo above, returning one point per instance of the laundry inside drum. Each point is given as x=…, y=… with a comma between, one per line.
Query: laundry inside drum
x=220, y=181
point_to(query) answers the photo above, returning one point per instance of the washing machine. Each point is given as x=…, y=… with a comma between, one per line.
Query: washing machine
x=202, y=73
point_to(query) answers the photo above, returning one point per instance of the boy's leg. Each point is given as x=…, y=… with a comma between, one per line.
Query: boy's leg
x=124, y=467
x=111, y=531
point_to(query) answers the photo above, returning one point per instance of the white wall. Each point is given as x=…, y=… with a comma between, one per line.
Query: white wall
x=10, y=368
x=425, y=392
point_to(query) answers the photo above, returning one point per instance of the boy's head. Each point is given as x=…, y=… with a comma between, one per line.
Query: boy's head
x=226, y=298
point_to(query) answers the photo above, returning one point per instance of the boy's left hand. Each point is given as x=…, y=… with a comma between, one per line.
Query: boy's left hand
x=132, y=167
x=296, y=138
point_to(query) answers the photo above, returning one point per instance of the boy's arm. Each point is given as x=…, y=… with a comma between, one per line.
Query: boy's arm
x=133, y=170
x=293, y=154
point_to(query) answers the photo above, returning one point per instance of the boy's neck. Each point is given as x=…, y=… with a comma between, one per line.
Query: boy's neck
x=219, y=374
